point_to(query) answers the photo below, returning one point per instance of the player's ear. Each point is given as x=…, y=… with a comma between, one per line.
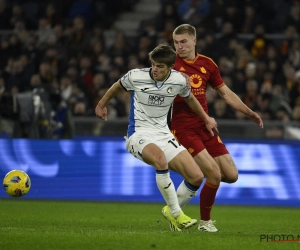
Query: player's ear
x=172, y=66
x=195, y=40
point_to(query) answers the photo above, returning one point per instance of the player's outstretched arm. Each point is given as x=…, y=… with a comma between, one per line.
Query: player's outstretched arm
x=210, y=122
x=101, y=110
x=234, y=101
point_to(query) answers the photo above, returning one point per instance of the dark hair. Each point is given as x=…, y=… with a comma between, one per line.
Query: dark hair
x=163, y=53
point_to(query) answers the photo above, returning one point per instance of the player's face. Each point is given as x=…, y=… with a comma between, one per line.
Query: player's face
x=185, y=45
x=160, y=71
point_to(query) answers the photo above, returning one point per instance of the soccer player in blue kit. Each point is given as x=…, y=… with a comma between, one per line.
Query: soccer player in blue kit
x=149, y=138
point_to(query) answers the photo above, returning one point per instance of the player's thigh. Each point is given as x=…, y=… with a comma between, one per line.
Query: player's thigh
x=227, y=167
x=153, y=155
x=143, y=146
x=184, y=164
x=191, y=140
x=194, y=141
x=208, y=165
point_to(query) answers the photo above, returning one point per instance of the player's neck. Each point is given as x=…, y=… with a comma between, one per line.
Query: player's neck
x=163, y=78
x=166, y=76
x=191, y=56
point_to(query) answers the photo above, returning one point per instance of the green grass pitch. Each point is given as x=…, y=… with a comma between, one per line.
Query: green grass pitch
x=34, y=224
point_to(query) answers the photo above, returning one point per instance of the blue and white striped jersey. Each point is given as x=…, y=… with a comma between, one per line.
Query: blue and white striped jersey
x=151, y=100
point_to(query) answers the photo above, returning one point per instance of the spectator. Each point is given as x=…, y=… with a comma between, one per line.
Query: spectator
x=2, y=87
x=46, y=74
x=295, y=90
x=193, y=11
x=250, y=97
x=263, y=106
x=44, y=32
x=258, y=45
x=66, y=88
x=296, y=113
x=287, y=43
x=120, y=46
x=220, y=110
x=51, y=15
x=86, y=73
x=35, y=81
x=250, y=19
x=77, y=37
x=4, y=51
x=99, y=83
x=61, y=119
x=4, y=15
x=16, y=76
x=68, y=42
x=227, y=33
x=167, y=13
x=232, y=15
x=293, y=18
x=17, y=15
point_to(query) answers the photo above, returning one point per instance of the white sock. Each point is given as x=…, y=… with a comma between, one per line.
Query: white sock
x=167, y=189
x=185, y=194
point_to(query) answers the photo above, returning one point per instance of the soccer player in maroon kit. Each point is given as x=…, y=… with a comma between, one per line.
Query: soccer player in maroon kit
x=208, y=151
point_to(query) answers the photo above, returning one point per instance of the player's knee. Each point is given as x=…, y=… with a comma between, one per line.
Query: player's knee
x=160, y=163
x=217, y=177
x=232, y=178
x=213, y=174
x=197, y=180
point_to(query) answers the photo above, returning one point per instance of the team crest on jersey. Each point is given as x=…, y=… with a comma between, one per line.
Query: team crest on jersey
x=170, y=90
x=156, y=100
x=196, y=81
x=203, y=70
x=125, y=76
x=191, y=150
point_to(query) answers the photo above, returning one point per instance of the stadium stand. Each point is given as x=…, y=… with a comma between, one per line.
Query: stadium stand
x=78, y=48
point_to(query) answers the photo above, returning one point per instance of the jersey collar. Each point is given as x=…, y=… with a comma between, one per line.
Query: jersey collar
x=159, y=84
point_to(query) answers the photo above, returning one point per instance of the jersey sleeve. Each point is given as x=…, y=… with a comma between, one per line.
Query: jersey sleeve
x=126, y=81
x=185, y=91
x=215, y=80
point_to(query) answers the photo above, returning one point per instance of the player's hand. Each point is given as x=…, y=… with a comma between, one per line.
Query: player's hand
x=257, y=119
x=212, y=126
x=101, y=112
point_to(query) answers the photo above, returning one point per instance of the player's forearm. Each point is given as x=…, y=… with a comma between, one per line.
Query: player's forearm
x=235, y=102
x=110, y=93
x=197, y=108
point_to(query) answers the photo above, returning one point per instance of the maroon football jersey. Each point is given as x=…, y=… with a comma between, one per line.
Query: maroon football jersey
x=202, y=71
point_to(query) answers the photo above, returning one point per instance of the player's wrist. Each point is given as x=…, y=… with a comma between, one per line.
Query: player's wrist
x=206, y=119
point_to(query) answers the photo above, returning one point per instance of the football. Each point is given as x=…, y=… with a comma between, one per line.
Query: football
x=16, y=183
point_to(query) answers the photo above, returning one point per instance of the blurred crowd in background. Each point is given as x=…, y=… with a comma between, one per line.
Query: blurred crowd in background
x=59, y=49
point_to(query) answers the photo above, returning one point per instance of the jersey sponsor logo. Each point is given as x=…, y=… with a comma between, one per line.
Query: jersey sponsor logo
x=144, y=89
x=196, y=81
x=182, y=69
x=200, y=91
x=203, y=70
x=141, y=141
x=156, y=100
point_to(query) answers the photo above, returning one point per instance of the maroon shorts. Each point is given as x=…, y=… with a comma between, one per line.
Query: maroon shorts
x=198, y=139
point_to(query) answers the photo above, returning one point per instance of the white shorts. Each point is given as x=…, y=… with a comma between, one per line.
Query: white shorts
x=166, y=142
